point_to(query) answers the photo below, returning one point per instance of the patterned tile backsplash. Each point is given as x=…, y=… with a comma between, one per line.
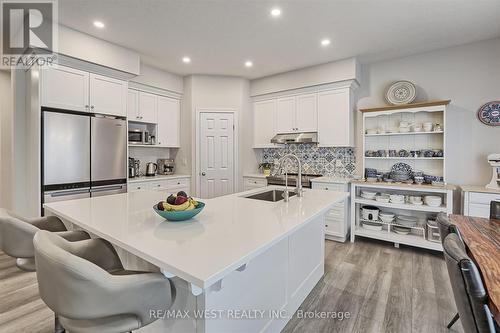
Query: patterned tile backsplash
x=332, y=162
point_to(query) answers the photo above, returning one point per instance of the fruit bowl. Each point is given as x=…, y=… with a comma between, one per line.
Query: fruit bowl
x=181, y=215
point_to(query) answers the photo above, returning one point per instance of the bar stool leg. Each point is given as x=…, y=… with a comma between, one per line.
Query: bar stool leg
x=453, y=321
x=58, y=328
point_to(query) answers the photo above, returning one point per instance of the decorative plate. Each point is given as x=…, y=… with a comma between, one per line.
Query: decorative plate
x=489, y=113
x=402, y=167
x=401, y=92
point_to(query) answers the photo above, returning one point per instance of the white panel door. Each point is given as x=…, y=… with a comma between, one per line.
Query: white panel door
x=133, y=105
x=335, y=118
x=108, y=95
x=216, y=154
x=307, y=113
x=65, y=88
x=147, y=107
x=169, y=113
x=264, y=126
x=285, y=115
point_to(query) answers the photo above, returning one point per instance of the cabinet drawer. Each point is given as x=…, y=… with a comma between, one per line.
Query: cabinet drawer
x=133, y=187
x=479, y=210
x=335, y=214
x=255, y=182
x=158, y=186
x=329, y=187
x=184, y=182
x=483, y=198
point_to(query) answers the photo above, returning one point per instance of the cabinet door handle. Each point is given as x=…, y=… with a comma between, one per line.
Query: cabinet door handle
x=203, y=174
x=86, y=106
x=92, y=107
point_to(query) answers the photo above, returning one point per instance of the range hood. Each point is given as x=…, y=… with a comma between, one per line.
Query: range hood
x=310, y=137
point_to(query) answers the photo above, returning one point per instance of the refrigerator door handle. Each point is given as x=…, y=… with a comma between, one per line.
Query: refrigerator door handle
x=106, y=188
x=66, y=193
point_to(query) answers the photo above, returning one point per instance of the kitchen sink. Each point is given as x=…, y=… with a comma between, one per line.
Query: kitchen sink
x=272, y=196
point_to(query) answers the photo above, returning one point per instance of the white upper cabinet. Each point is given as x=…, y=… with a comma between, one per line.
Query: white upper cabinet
x=147, y=108
x=169, y=114
x=336, y=118
x=108, y=95
x=296, y=114
x=306, y=113
x=133, y=105
x=264, y=123
x=285, y=115
x=65, y=88
x=72, y=89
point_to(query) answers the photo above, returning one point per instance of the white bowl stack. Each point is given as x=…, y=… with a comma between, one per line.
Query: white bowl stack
x=433, y=200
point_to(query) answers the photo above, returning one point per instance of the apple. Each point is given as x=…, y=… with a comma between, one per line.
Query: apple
x=180, y=200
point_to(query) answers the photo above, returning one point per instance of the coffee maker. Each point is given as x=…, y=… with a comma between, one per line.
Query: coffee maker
x=166, y=166
x=131, y=168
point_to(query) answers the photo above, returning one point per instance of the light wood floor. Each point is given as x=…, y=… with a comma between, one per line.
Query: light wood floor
x=383, y=288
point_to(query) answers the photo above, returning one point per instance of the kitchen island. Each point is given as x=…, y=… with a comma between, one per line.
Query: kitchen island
x=241, y=265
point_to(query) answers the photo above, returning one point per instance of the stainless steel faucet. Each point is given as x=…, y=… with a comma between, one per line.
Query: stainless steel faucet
x=298, y=190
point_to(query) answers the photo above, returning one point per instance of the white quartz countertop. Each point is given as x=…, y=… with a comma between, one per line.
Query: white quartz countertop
x=479, y=188
x=254, y=175
x=334, y=180
x=228, y=233
x=156, y=178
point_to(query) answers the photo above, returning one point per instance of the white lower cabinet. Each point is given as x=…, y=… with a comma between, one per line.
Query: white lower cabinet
x=168, y=186
x=337, y=226
x=477, y=204
x=250, y=183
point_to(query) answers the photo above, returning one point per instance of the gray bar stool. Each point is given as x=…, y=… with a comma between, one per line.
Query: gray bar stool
x=446, y=228
x=86, y=285
x=468, y=289
x=495, y=210
x=16, y=236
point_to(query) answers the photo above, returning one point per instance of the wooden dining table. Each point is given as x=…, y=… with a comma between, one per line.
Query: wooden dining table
x=482, y=239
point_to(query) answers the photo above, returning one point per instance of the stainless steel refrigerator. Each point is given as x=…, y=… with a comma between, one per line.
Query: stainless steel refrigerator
x=83, y=155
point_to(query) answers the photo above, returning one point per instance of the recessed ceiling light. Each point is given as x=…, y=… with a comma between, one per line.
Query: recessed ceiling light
x=325, y=42
x=186, y=60
x=99, y=24
x=275, y=12
x=248, y=63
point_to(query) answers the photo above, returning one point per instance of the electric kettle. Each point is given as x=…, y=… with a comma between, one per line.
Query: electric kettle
x=151, y=169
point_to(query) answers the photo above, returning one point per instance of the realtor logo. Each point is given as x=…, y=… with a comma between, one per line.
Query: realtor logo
x=28, y=30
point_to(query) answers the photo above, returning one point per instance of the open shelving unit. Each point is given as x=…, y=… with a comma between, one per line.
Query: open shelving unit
x=387, y=119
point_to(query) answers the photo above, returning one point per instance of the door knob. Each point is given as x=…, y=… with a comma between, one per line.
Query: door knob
x=203, y=174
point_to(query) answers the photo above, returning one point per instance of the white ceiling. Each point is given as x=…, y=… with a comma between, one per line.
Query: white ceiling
x=219, y=35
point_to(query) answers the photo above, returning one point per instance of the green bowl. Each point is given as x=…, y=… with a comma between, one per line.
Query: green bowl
x=182, y=215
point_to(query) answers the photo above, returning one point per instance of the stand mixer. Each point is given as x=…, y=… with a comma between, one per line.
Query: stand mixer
x=494, y=160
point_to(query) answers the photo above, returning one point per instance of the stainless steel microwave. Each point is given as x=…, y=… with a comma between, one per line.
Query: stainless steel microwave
x=138, y=137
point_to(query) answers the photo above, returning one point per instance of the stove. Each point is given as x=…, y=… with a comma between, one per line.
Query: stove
x=292, y=180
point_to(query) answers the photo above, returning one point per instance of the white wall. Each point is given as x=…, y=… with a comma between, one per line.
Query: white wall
x=158, y=78
x=469, y=76
x=217, y=93
x=5, y=140
x=85, y=47
x=341, y=70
